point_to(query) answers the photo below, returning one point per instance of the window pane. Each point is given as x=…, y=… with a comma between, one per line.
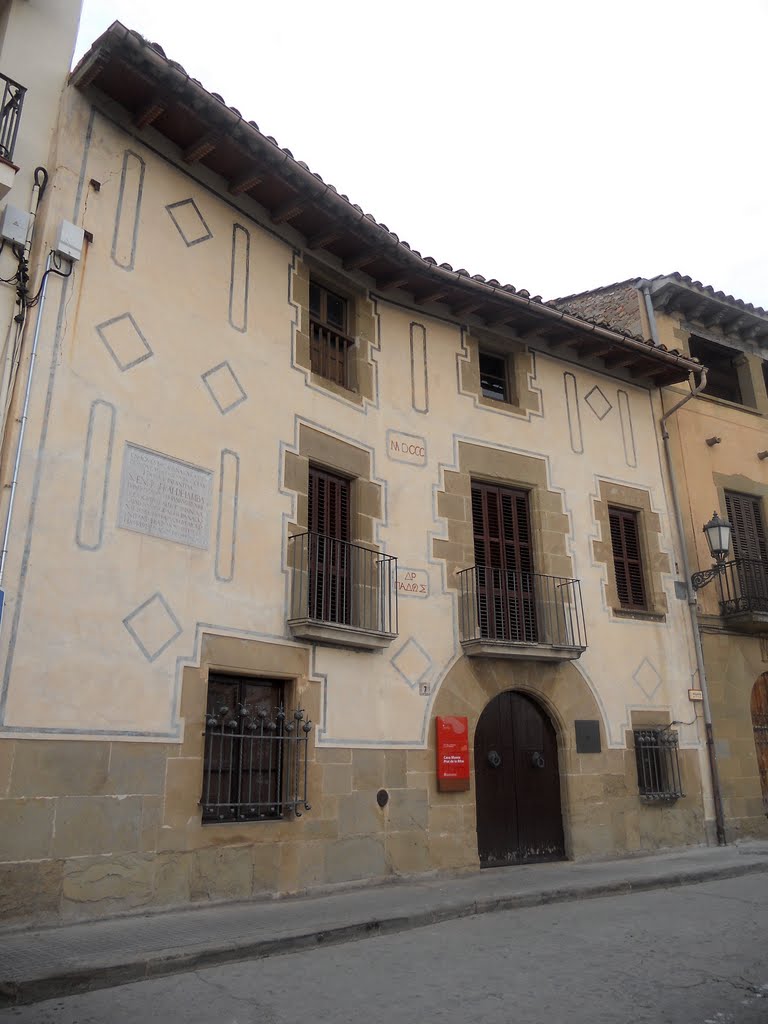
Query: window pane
x=315, y=299
x=493, y=377
x=336, y=311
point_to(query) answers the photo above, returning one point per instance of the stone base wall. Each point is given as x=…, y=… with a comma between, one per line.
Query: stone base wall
x=90, y=829
x=733, y=664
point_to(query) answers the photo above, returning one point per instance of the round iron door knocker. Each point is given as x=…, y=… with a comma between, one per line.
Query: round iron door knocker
x=494, y=758
x=537, y=759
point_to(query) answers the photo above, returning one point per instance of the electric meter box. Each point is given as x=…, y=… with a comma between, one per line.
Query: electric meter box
x=69, y=241
x=14, y=224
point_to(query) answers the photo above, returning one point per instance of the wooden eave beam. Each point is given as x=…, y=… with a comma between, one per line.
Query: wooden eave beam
x=394, y=280
x=323, y=238
x=150, y=112
x=650, y=370
x=245, y=182
x=434, y=295
x=621, y=359
x=466, y=308
x=202, y=147
x=361, y=259
x=289, y=209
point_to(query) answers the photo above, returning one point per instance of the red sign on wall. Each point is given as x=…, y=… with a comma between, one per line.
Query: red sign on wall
x=452, y=753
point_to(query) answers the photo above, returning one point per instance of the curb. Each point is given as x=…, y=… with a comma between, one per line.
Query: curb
x=162, y=964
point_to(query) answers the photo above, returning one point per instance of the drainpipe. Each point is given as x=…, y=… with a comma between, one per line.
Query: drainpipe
x=692, y=604
x=23, y=418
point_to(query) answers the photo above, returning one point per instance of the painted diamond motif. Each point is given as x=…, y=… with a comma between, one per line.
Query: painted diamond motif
x=124, y=341
x=598, y=403
x=412, y=662
x=647, y=678
x=189, y=222
x=224, y=387
x=153, y=626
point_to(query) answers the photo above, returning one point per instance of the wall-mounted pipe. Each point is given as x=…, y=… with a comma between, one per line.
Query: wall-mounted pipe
x=714, y=772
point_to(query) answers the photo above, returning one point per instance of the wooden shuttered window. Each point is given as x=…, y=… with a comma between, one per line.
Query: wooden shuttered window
x=329, y=552
x=328, y=314
x=504, y=563
x=746, y=517
x=627, y=560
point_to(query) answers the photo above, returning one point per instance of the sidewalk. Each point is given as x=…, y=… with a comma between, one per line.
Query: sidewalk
x=49, y=962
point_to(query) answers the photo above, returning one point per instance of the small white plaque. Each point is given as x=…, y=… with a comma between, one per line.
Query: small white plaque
x=411, y=582
x=165, y=497
x=407, y=448
x=695, y=695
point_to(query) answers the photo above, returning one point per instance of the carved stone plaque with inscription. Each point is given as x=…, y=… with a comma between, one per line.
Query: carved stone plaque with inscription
x=165, y=497
x=406, y=448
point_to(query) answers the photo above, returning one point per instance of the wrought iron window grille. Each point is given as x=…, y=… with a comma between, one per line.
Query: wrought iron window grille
x=255, y=765
x=658, y=764
x=10, y=115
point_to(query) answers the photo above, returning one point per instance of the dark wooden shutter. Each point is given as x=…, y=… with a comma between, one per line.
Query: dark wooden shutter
x=329, y=550
x=504, y=563
x=746, y=516
x=627, y=561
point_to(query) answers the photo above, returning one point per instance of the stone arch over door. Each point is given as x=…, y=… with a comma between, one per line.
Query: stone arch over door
x=591, y=786
x=759, y=711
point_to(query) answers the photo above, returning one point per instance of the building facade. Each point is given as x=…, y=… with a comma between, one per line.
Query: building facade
x=718, y=444
x=292, y=500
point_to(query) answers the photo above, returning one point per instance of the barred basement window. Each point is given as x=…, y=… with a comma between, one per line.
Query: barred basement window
x=255, y=765
x=658, y=766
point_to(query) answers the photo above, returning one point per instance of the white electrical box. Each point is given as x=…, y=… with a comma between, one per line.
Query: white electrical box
x=14, y=224
x=69, y=241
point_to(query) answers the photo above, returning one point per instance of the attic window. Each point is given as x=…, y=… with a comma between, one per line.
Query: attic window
x=723, y=374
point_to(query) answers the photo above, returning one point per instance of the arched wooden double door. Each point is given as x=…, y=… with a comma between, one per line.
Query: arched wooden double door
x=759, y=709
x=517, y=783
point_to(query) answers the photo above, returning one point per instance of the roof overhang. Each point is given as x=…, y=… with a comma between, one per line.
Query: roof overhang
x=158, y=95
x=701, y=304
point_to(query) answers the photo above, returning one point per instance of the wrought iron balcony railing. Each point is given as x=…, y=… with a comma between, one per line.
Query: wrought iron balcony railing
x=10, y=115
x=339, y=584
x=743, y=586
x=502, y=607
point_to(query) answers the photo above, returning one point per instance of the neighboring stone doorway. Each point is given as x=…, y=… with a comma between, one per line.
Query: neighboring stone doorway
x=517, y=781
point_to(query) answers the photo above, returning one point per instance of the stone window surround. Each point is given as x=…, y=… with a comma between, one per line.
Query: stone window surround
x=550, y=524
x=361, y=326
x=520, y=366
x=655, y=561
x=341, y=457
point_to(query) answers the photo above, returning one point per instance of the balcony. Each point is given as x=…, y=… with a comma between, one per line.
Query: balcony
x=743, y=586
x=342, y=594
x=525, y=615
x=10, y=115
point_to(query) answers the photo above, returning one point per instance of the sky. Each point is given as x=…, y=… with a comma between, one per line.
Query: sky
x=556, y=146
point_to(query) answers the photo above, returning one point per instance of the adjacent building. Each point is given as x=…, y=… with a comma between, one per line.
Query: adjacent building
x=293, y=502
x=719, y=447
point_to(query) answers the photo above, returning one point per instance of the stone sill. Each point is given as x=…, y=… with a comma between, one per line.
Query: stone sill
x=520, y=652
x=636, y=613
x=336, y=635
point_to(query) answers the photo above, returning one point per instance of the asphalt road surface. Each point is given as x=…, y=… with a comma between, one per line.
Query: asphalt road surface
x=691, y=955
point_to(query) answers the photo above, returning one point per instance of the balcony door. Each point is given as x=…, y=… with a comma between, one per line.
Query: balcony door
x=504, y=560
x=750, y=550
x=329, y=561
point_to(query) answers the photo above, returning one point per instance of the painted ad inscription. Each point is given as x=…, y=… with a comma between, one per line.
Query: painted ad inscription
x=164, y=497
x=406, y=448
x=411, y=582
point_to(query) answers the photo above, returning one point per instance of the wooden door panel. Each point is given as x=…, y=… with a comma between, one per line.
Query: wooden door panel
x=517, y=783
x=759, y=709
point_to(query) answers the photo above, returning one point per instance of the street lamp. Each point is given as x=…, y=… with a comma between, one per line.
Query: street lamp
x=718, y=534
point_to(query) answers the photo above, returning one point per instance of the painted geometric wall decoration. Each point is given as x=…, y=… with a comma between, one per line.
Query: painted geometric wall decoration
x=189, y=222
x=126, y=233
x=627, y=431
x=647, y=678
x=224, y=387
x=94, y=484
x=226, y=523
x=412, y=662
x=598, y=403
x=574, y=413
x=419, y=378
x=240, y=270
x=124, y=341
x=153, y=626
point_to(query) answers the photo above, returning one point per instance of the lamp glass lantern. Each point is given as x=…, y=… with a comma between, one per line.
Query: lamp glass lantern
x=718, y=534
